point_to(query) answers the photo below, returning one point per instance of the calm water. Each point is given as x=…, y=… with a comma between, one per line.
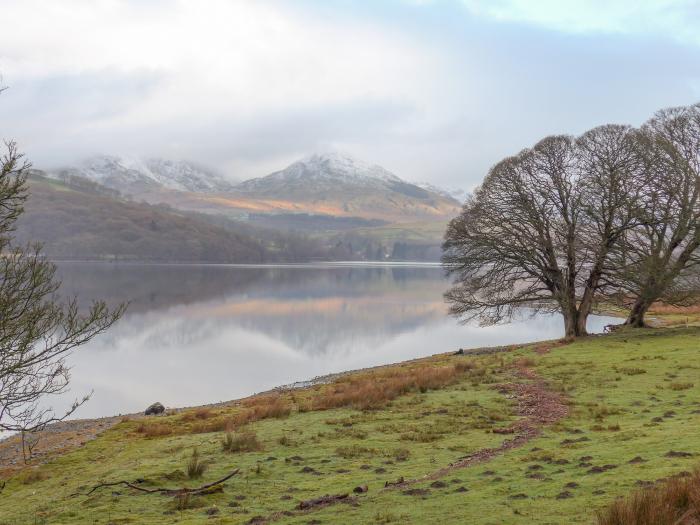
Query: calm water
x=201, y=334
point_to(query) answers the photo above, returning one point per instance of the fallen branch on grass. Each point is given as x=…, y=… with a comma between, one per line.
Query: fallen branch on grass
x=204, y=489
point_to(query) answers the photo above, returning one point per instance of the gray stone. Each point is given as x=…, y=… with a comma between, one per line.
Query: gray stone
x=155, y=409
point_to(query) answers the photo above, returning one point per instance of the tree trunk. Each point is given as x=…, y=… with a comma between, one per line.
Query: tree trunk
x=569, y=325
x=636, y=315
x=581, y=322
x=574, y=322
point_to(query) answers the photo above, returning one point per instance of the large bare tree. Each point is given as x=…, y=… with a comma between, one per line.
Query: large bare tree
x=37, y=329
x=539, y=231
x=658, y=260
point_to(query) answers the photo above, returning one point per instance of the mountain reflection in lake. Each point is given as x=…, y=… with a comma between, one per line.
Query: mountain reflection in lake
x=202, y=334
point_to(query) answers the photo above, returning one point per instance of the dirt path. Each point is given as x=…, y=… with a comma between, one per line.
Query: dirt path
x=538, y=406
x=55, y=440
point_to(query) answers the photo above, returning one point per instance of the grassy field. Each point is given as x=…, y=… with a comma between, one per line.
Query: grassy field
x=631, y=417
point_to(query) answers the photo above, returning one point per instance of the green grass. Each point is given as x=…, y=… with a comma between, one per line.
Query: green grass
x=622, y=401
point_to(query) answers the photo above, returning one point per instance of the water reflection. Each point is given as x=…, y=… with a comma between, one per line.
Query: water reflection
x=200, y=334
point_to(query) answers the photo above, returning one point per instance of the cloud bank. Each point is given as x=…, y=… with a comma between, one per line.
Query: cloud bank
x=435, y=91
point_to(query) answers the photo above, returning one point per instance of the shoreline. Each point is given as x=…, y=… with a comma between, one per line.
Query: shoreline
x=308, y=264
x=73, y=433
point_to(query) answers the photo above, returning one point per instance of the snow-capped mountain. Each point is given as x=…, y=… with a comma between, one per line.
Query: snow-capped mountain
x=130, y=175
x=337, y=184
x=453, y=193
x=329, y=172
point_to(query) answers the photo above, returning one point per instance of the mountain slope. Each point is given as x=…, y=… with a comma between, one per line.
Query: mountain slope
x=320, y=174
x=77, y=223
x=456, y=194
x=336, y=184
x=135, y=176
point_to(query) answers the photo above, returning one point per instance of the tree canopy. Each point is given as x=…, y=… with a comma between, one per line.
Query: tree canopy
x=613, y=214
x=37, y=328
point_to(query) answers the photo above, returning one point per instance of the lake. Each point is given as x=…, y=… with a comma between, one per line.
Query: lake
x=197, y=334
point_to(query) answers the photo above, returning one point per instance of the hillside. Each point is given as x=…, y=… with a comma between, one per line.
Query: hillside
x=87, y=222
x=137, y=176
x=339, y=185
x=352, y=209
x=512, y=435
x=328, y=186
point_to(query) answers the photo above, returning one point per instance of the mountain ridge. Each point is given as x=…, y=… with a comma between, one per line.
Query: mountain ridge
x=133, y=175
x=130, y=175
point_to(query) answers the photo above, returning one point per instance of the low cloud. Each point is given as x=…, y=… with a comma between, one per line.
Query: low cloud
x=435, y=91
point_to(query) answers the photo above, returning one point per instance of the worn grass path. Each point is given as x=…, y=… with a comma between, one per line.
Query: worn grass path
x=587, y=422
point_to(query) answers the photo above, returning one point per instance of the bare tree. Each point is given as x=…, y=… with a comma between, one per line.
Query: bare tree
x=539, y=231
x=656, y=260
x=37, y=329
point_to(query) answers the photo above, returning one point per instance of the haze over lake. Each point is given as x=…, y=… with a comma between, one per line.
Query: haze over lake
x=197, y=334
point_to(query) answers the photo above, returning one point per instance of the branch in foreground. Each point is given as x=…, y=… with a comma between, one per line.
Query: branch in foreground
x=166, y=491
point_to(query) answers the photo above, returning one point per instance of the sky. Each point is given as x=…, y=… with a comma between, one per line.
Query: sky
x=434, y=91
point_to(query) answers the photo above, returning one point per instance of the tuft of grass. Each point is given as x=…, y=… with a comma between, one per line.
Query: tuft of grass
x=201, y=414
x=185, y=502
x=32, y=476
x=240, y=442
x=401, y=454
x=355, y=451
x=601, y=411
x=680, y=386
x=286, y=441
x=151, y=430
x=632, y=371
x=262, y=407
x=212, y=425
x=676, y=502
x=196, y=466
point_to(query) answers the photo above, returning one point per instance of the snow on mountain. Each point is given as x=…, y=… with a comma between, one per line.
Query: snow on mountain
x=131, y=175
x=321, y=172
x=188, y=175
x=453, y=193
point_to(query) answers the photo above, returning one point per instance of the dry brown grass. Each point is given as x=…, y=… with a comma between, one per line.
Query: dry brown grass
x=676, y=502
x=32, y=476
x=152, y=430
x=241, y=442
x=212, y=425
x=680, y=386
x=266, y=407
x=201, y=414
x=660, y=308
x=375, y=389
x=254, y=409
x=363, y=391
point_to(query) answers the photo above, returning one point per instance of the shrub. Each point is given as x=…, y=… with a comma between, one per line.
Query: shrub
x=241, y=442
x=196, y=466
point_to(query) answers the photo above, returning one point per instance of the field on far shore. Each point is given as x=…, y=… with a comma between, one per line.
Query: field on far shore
x=541, y=433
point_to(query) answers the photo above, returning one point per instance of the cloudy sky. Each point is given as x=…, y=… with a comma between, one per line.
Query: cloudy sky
x=432, y=90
